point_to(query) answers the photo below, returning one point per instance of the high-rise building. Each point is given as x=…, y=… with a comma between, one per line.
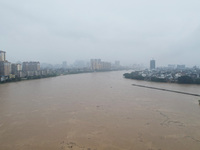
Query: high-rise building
x=97, y=64
x=5, y=68
x=152, y=64
x=30, y=66
x=2, y=55
x=16, y=68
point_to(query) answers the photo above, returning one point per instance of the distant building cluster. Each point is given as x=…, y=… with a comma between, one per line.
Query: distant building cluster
x=98, y=65
x=16, y=70
x=32, y=69
x=170, y=66
x=172, y=73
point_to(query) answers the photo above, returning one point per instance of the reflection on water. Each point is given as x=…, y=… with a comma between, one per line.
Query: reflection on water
x=97, y=111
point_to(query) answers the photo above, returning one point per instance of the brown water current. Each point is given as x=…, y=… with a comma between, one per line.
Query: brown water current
x=97, y=111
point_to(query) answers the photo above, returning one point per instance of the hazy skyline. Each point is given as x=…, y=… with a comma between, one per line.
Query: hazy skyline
x=130, y=31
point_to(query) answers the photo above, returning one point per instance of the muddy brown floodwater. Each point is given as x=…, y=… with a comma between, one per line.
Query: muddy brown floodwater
x=97, y=111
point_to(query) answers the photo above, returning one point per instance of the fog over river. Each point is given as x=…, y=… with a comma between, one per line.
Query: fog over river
x=97, y=111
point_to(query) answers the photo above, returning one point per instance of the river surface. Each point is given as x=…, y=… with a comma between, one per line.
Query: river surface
x=97, y=111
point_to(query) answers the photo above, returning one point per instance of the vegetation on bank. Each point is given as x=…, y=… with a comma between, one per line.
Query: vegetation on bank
x=188, y=80
x=181, y=80
x=133, y=75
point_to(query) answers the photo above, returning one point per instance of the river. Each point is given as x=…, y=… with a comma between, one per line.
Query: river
x=97, y=111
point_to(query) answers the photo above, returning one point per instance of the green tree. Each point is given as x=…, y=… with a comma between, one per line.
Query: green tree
x=185, y=80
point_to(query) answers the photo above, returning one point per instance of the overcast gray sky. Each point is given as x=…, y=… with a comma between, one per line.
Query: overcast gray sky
x=132, y=31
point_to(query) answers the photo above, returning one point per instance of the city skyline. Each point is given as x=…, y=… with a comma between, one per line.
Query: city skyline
x=84, y=63
x=31, y=70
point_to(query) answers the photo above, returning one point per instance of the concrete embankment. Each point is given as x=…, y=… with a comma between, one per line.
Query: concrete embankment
x=161, y=89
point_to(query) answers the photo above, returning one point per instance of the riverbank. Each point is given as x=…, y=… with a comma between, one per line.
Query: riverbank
x=55, y=74
x=184, y=79
x=18, y=79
